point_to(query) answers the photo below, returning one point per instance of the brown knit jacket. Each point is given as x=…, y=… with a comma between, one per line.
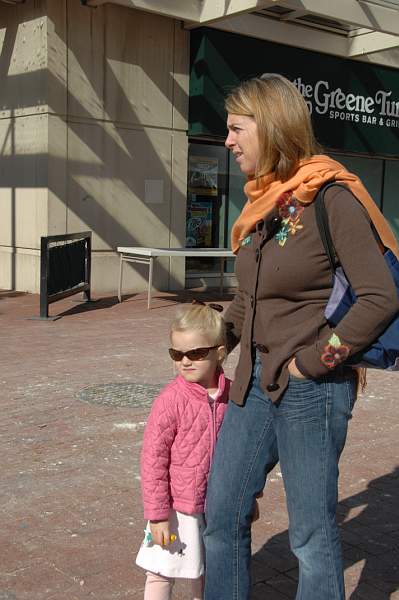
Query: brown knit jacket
x=284, y=284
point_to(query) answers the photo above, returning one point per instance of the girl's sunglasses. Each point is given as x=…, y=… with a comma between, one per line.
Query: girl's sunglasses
x=195, y=354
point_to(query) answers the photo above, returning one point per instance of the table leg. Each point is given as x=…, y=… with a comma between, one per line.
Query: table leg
x=150, y=281
x=120, y=279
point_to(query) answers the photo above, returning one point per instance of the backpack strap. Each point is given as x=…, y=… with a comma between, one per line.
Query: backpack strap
x=322, y=222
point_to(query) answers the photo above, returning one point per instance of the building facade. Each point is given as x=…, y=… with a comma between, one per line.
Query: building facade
x=111, y=120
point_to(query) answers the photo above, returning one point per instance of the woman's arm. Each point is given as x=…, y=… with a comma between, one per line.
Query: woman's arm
x=234, y=319
x=365, y=268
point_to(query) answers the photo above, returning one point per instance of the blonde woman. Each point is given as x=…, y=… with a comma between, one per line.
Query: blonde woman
x=293, y=394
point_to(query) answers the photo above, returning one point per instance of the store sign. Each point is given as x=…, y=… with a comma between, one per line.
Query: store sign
x=354, y=105
x=380, y=110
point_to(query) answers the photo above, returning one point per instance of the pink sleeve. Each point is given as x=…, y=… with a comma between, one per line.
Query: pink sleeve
x=155, y=457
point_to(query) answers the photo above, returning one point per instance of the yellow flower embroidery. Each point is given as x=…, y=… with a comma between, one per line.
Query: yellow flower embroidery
x=294, y=226
x=290, y=210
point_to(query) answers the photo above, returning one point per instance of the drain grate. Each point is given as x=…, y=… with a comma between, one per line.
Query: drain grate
x=136, y=395
x=5, y=595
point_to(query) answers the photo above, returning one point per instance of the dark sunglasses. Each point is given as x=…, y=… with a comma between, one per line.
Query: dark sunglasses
x=217, y=307
x=195, y=354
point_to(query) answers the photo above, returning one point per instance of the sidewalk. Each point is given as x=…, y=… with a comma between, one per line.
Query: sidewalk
x=75, y=394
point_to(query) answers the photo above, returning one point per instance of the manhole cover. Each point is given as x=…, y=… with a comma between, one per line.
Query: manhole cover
x=137, y=395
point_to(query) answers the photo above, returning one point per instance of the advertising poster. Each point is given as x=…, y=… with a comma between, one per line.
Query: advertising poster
x=203, y=176
x=199, y=225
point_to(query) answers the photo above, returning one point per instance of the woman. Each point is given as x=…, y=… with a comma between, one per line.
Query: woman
x=293, y=395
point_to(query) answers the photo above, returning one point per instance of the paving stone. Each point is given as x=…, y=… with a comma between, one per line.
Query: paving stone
x=261, y=571
x=364, y=591
x=284, y=585
x=264, y=591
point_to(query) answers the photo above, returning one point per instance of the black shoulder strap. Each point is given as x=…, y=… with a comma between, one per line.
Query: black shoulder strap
x=322, y=222
x=324, y=229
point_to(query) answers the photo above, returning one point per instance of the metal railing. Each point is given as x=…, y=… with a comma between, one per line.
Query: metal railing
x=65, y=268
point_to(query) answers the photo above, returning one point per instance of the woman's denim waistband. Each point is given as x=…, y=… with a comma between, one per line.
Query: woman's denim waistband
x=340, y=373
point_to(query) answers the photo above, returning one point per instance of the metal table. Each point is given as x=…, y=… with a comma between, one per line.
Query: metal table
x=147, y=255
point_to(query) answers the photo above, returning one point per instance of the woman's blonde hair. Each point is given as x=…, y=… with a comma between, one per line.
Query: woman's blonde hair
x=203, y=318
x=282, y=117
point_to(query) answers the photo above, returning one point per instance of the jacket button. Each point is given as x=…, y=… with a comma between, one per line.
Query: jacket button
x=276, y=222
x=257, y=254
x=251, y=301
x=272, y=387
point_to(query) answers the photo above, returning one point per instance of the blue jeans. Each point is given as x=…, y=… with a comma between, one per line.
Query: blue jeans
x=306, y=433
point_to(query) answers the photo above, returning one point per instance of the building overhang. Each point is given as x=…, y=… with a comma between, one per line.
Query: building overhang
x=347, y=28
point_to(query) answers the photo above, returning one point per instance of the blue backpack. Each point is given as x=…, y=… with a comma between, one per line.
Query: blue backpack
x=383, y=353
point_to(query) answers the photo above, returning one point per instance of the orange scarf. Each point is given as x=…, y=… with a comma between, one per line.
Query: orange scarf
x=312, y=173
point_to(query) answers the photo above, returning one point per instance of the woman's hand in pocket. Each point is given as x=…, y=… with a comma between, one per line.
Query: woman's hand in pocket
x=294, y=371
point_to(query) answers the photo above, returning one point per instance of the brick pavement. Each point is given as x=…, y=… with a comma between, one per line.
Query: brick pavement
x=70, y=513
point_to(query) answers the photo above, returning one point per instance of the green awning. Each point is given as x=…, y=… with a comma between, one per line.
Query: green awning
x=354, y=105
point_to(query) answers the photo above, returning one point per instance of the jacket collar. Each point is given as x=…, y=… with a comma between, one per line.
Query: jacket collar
x=200, y=393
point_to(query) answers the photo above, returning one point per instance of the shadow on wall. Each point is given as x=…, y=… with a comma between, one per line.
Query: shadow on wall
x=371, y=537
x=115, y=160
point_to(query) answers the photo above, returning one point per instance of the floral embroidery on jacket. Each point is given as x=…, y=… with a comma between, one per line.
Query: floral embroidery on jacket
x=334, y=353
x=246, y=241
x=290, y=211
x=282, y=234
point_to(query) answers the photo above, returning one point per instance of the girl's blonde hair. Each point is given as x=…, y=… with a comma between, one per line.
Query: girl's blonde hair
x=283, y=121
x=203, y=318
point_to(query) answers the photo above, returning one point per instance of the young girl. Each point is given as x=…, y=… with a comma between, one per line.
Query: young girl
x=179, y=442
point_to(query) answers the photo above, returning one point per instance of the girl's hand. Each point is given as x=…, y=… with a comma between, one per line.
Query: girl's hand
x=160, y=532
x=293, y=370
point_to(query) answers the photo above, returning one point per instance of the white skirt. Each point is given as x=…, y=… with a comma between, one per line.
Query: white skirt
x=182, y=558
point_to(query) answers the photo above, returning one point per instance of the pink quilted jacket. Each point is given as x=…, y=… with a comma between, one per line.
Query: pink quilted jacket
x=178, y=445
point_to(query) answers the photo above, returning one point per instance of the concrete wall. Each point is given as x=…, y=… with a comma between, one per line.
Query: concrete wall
x=105, y=131
x=23, y=143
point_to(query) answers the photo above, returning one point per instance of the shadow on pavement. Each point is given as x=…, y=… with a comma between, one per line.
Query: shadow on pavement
x=79, y=305
x=372, y=537
x=11, y=294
